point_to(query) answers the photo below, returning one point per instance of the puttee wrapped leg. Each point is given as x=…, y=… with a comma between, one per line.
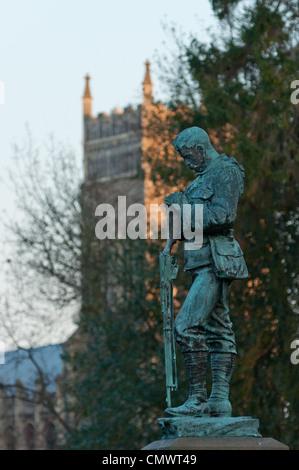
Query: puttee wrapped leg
x=222, y=365
x=196, y=369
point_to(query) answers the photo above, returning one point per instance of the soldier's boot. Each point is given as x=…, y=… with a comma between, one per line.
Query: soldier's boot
x=222, y=365
x=196, y=403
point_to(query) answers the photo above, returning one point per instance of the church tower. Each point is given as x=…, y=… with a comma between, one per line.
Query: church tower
x=114, y=166
x=113, y=147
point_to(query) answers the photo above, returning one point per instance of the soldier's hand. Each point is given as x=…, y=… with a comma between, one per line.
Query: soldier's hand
x=176, y=198
x=169, y=244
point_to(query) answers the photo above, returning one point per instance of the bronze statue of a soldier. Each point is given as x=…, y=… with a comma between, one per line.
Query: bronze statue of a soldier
x=203, y=324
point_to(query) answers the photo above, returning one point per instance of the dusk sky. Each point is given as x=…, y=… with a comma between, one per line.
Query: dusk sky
x=46, y=49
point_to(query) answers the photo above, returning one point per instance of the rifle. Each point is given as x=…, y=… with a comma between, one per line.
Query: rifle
x=168, y=272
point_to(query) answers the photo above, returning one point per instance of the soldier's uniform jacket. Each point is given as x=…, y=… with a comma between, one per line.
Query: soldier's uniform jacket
x=218, y=188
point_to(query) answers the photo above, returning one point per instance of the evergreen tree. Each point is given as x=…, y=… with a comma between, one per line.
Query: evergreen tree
x=238, y=88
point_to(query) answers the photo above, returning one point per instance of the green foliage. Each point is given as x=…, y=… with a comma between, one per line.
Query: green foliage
x=117, y=370
x=244, y=83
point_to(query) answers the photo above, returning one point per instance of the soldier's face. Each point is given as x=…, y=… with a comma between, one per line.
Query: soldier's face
x=194, y=157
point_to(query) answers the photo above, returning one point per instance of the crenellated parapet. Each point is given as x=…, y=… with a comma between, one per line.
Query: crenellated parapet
x=114, y=124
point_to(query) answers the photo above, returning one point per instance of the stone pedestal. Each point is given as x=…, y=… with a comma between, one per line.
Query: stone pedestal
x=209, y=427
x=217, y=443
x=237, y=433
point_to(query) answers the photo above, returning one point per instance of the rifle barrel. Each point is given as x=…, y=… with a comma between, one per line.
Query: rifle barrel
x=168, y=272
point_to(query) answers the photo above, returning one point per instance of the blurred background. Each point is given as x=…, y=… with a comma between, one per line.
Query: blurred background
x=93, y=95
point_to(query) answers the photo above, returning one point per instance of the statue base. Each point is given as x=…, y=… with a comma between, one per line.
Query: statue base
x=236, y=433
x=216, y=443
x=209, y=427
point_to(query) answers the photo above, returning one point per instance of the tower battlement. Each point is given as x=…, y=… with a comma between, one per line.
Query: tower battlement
x=113, y=124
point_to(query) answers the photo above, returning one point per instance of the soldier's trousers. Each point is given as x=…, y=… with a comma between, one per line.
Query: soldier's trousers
x=203, y=322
